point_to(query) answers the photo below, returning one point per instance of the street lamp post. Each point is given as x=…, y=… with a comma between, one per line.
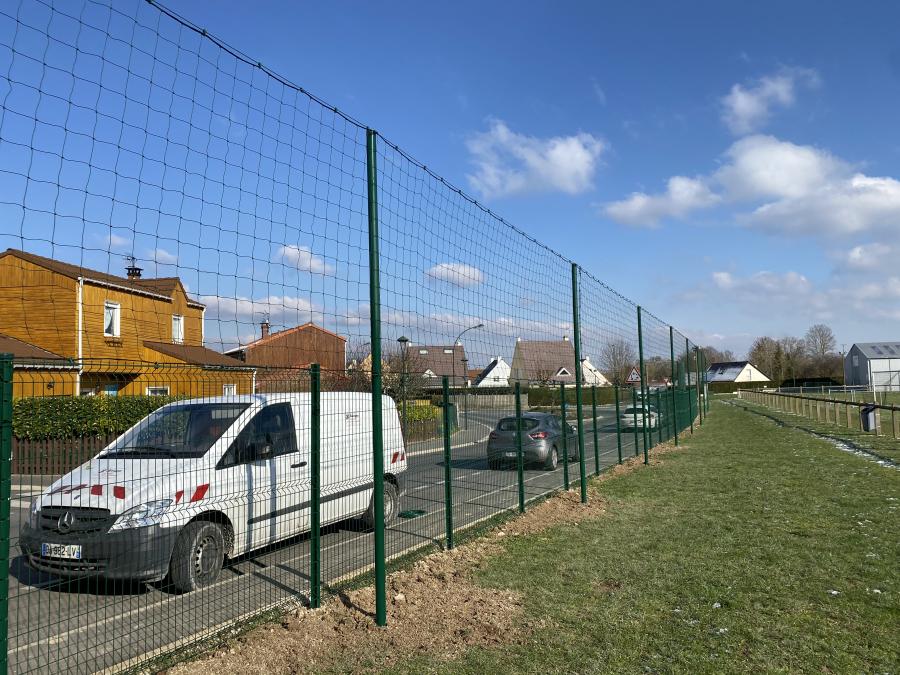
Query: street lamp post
x=465, y=385
x=455, y=342
x=404, y=346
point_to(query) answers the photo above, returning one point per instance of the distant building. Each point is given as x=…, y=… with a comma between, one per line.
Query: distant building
x=591, y=377
x=543, y=362
x=496, y=374
x=734, y=371
x=433, y=362
x=873, y=364
x=278, y=356
x=125, y=335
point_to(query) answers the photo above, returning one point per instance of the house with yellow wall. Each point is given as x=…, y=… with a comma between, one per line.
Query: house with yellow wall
x=123, y=334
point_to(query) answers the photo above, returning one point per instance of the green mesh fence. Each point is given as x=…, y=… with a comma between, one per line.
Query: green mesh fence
x=254, y=351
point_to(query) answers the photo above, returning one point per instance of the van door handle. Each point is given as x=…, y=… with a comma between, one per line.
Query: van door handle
x=298, y=465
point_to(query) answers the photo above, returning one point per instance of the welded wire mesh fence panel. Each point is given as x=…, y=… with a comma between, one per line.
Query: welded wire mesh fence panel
x=609, y=337
x=186, y=292
x=463, y=291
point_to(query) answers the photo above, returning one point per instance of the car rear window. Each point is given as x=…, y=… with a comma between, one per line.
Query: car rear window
x=509, y=424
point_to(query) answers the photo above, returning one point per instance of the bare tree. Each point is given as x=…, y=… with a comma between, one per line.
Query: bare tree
x=794, y=355
x=617, y=358
x=819, y=341
x=764, y=353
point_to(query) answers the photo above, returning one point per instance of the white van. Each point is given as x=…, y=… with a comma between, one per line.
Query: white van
x=202, y=480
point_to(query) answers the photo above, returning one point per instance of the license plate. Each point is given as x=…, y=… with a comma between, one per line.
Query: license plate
x=69, y=551
x=510, y=455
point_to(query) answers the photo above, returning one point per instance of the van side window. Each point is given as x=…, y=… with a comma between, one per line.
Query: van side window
x=268, y=434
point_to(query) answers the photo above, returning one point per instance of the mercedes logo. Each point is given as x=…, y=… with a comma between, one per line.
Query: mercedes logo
x=66, y=521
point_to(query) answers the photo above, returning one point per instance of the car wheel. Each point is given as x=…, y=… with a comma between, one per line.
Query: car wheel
x=198, y=556
x=493, y=464
x=391, y=506
x=552, y=459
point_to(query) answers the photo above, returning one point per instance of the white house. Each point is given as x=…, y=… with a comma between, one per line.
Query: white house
x=590, y=376
x=496, y=374
x=873, y=364
x=735, y=371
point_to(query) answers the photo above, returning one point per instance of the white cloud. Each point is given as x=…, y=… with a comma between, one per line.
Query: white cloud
x=162, y=257
x=598, y=91
x=507, y=163
x=788, y=188
x=765, y=295
x=457, y=274
x=113, y=240
x=747, y=108
x=871, y=256
x=766, y=167
x=286, y=309
x=303, y=259
x=682, y=196
x=851, y=206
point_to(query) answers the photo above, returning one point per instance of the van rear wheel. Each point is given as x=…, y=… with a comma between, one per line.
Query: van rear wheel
x=391, y=506
x=198, y=556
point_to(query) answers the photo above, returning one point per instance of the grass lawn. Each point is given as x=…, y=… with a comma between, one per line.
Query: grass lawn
x=884, y=444
x=755, y=548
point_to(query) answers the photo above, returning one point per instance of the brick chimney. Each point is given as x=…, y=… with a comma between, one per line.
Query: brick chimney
x=264, y=327
x=133, y=271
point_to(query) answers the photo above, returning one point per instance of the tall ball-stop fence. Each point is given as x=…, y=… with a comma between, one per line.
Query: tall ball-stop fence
x=253, y=351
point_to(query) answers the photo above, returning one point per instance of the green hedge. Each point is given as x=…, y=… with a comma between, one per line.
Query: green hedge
x=421, y=413
x=50, y=417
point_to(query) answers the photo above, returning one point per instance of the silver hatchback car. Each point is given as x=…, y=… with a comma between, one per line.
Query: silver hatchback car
x=542, y=441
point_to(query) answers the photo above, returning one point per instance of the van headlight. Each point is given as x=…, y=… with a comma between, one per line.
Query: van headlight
x=34, y=513
x=142, y=516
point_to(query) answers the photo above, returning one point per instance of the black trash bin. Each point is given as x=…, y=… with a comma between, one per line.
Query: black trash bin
x=867, y=417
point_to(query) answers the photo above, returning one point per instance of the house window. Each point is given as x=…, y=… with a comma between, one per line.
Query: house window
x=157, y=391
x=855, y=361
x=111, y=323
x=111, y=389
x=229, y=390
x=177, y=328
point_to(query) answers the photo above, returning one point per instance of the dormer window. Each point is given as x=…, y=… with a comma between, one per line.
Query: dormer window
x=111, y=319
x=177, y=328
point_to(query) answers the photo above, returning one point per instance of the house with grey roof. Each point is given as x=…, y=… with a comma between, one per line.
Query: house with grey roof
x=875, y=365
x=734, y=371
x=433, y=362
x=543, y=362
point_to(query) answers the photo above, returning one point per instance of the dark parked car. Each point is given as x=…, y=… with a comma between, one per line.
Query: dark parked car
x=542, y=441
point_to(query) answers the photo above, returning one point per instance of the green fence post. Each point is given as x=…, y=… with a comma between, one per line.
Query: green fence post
x=634, y=420
x=674, y=406
x=687, y=375
x=596, y=432
x=448, y=476
x=6, y=419
x=315, y=502
x=520, y=461
x=644, y=402
x=699, y=389
x=659, y=426
x=377, y=418
x=565, y=434
x=618, y=425
x=578, y=380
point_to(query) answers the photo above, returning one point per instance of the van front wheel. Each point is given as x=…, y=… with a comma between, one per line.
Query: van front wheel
x=198, y=556
x=391, y=506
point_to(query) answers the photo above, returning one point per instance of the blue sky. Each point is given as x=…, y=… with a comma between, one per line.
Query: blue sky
x=648, y=82
x=733, y=168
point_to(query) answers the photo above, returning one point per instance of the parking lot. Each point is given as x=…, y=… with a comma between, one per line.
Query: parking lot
x=89, y=626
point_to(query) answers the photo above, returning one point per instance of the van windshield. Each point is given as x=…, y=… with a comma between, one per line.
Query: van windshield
x=177, y=432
